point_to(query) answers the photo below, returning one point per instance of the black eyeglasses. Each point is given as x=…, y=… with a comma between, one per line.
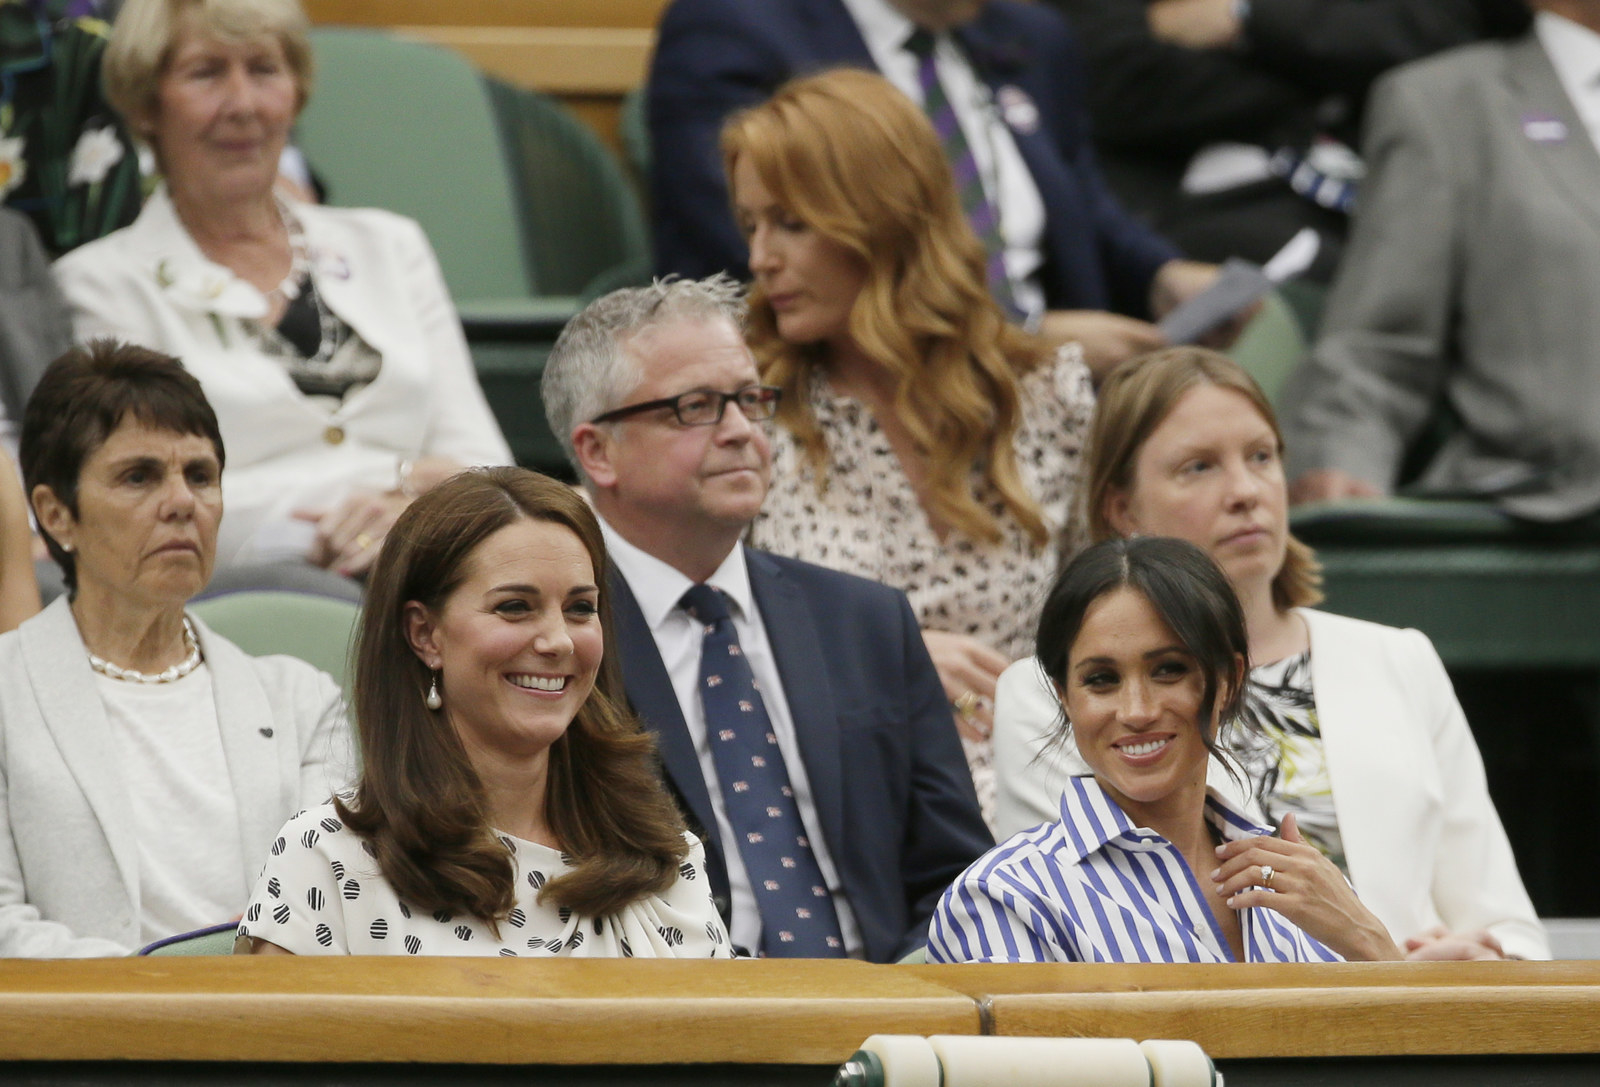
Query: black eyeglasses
x=704, y=407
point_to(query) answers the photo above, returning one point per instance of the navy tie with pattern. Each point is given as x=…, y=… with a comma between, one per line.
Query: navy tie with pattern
x=981, y=212
x=797, y=915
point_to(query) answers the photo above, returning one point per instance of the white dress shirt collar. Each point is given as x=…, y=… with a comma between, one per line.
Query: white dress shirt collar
x=1092, y=820
x=659, y=587
x=1574, y=52
x=883, y=26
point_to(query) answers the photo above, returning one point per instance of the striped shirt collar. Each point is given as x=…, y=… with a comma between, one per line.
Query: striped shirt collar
x=1091, y=820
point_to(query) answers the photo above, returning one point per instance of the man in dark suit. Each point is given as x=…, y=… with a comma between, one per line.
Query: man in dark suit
x=659, y=403
x=1080, y=266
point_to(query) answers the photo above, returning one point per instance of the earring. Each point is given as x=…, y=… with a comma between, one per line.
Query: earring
x=433, y=701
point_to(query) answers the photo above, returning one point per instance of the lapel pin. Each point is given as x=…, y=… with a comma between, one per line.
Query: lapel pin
x=1543, y=128
x=1018, y=109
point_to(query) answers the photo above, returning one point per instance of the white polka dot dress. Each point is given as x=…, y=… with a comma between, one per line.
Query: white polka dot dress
x=321, y=893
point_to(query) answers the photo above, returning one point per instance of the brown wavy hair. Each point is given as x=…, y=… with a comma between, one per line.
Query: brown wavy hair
x=1134, y=399
x=857, y=161
x=421, y=804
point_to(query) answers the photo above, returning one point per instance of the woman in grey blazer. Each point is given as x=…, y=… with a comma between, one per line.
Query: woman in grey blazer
x=145, y=762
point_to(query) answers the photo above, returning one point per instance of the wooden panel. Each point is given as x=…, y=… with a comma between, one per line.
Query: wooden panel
x=621, y=13
x=494, y=1011
x=1344, y=1010
x=559, y=60
x=1344, y=1022
x=981, y=980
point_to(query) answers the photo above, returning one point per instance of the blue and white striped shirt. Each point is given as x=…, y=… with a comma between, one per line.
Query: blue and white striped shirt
x=1095, y=888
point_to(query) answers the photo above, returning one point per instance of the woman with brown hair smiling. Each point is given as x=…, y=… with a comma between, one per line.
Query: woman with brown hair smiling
x=508, y=803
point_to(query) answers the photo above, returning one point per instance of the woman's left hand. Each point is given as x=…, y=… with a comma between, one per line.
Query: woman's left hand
x=349, y=535
x=1439, y=943
x=1305, y=887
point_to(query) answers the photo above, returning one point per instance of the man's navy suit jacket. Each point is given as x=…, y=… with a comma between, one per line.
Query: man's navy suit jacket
x=888, y=778
x=717, y=56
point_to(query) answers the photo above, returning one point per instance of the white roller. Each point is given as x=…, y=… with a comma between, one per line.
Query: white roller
x=1179, y=1064
x=1038, y=1062
x=908, y=1059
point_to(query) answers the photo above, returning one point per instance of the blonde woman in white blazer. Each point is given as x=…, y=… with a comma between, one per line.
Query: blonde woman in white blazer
x=146, y=763
x=1359, y=731
x=325, y=338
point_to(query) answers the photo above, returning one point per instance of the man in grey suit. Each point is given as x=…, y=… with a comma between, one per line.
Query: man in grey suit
x=1473, y=279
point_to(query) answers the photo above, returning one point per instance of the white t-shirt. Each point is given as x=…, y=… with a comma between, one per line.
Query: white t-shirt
x=169, y=748
x=321, y=893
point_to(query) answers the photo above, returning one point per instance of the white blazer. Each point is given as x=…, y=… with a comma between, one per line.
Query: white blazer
x=69, y=863
x=1421, y=837
x=150, y=283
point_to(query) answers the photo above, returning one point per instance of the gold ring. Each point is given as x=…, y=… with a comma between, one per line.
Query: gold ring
x=967, y=705
x=364, y=540
x=1267, y=872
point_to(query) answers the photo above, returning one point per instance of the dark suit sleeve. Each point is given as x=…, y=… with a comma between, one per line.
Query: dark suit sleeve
x=1126, y=252
x=944, y=830
x=1341, y=46
x=1146, y=95
x=710, y=60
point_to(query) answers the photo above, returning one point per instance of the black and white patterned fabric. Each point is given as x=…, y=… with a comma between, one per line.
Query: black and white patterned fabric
x=868, y=520
x=320, y=893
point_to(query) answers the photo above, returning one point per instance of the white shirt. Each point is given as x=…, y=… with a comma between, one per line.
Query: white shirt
x=169, y=750
x=658, y=588
x=1007, y=181
x=1574, y=52
x=1095, y=888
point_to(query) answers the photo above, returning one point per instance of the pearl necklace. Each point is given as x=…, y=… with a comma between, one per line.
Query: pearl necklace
x=176, y=672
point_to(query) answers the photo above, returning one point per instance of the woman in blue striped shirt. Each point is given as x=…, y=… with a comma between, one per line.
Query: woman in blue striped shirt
x=1145, y=642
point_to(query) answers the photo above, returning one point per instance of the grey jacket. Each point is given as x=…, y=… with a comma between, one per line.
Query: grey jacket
x=69, y=865
x=1471, y=277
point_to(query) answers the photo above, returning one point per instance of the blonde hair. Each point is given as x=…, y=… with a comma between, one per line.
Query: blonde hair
x=859, y=163
x=146, y=31
x=1134, y=400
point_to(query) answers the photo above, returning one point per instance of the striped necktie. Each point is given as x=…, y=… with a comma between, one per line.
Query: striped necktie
x=975, y=202
x=798, y=920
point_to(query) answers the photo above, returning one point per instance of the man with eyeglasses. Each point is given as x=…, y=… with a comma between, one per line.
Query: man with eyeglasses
x=800, y=721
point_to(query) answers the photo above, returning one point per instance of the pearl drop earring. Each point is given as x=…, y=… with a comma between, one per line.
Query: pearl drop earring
x=433, y=701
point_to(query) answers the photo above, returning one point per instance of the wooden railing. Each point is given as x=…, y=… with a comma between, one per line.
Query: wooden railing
x=607, y=1012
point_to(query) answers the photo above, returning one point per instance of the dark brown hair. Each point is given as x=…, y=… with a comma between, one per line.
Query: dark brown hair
x=1190, y=593
x=81, y=400
x=857, y=162
x=1134, y=400
x=420, y=803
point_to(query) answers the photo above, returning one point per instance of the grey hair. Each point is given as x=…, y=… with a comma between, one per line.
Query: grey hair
x=590, y=370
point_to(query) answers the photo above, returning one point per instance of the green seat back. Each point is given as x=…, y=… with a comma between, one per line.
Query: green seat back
x=408, y=126
x=1271, y=346
x=634, y=125
x=317, y=629
x=584, y=231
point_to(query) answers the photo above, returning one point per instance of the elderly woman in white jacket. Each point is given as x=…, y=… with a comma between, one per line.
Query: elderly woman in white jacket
x=324, y=338
x=1355, y=728
x=145, y=762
